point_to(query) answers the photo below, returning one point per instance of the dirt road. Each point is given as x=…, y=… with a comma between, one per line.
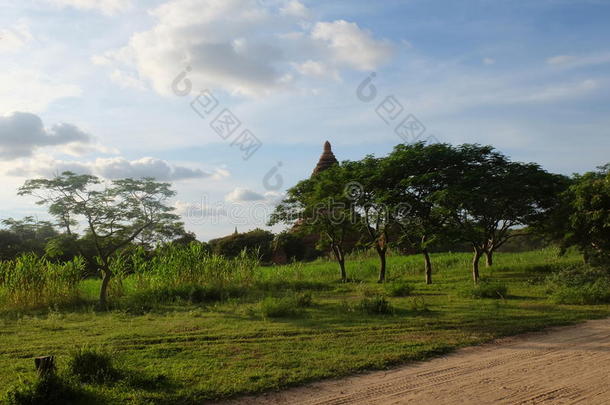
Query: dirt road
x=568, y=365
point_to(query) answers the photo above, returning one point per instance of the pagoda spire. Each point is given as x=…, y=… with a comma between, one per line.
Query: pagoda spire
x=327, y=159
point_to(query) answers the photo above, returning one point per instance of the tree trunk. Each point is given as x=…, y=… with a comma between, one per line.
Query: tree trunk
x=489, y=258
x=381, y=252
x=475, y=264
x=428, y=266
x=104, y=288
x=338, y=252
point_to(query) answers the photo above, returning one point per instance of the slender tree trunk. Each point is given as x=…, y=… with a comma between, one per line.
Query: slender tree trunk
x=104, y=288
x=381, y=252
x=489, y=258
x=338, y=252
x=475, y=264
x=428, y=266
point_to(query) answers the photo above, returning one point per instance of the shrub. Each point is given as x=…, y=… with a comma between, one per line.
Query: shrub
x=376, y=305
x=49, y=389
x=579, y=285
x=303, y=299
x=272, y=307
x=588, y=294
x=485, y=289
x=92, y=365
x=399, y=289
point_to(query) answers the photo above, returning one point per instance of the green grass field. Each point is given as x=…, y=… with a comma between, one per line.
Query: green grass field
x=186, y=353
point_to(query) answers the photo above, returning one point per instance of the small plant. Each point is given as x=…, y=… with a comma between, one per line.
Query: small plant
x=399, y=289
x=48, y=389
x=485, y=289
x=272, y=307
x=375, y=305
x=91, y=365
x=579, y=285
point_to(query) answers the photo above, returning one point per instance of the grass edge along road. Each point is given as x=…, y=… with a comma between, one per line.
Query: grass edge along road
x=298, y=324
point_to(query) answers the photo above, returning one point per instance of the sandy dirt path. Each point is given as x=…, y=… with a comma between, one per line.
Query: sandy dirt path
x=567, y=365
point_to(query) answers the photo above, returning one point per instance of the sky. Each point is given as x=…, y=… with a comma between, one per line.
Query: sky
x=232, y=100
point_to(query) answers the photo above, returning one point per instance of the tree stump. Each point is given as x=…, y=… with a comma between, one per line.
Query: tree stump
x=45, y=365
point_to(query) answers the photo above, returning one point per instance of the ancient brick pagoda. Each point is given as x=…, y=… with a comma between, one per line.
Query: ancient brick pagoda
x=327, y=159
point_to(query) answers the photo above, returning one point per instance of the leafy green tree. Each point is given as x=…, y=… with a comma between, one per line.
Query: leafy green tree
x=319, y=205
x=368, y=188
x=257, y=241
x=114, y=214
x=492, y=195
x=584, y=219
x=415, y=175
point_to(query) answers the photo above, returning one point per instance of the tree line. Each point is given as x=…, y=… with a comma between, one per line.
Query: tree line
x=419, y=196
x=426, y=195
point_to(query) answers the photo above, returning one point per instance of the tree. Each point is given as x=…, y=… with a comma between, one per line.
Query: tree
x=415, y=174
x=368, y=189
x=24, y=236
x=319, y=205
x=492, y=195
x=583, y=220
x=114, y=214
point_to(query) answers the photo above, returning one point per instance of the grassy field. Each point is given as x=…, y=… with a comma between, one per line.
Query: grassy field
x=186, y=353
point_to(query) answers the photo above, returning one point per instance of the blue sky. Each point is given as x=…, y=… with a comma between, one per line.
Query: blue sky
x=87, y=85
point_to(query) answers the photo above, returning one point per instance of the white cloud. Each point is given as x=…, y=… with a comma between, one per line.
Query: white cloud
x=488, y=61
x=295, y=8
x=112, y=168
x=15, y=38
x=316, y=69
x=21, y=134
x=108, y=7
x=199, y=210
x=352, y=46
x=240, y=46
x=244, y=195
x=28, y=90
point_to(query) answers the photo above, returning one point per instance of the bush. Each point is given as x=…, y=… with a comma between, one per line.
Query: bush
x=485, y=289
x=91, y=365
x=579, y=285
x=399, y=289
x=291, y=305
x=376, y=305
x=50, y=389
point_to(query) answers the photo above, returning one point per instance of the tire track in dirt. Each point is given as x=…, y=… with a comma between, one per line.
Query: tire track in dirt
x=568, y=365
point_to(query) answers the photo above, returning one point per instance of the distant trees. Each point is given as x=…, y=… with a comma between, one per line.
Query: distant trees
x=257, y=241
x=114, y=214
x=24, y=235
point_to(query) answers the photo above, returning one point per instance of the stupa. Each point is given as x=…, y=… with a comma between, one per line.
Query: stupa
x=327, y=159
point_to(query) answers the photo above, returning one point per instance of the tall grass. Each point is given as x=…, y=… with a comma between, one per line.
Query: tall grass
x=31, y=281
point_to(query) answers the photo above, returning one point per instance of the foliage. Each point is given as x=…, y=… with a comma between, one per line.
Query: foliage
x=31, y=281
x=486, y=289
x=116, y=214
x=399, y=289
x=24, y=236
x=256, y=242
x=579, y=285
x=92, y=365
x=583, y=220
x=375, y=305
x=50, y=389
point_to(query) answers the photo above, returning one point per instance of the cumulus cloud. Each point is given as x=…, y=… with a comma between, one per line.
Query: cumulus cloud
x=114, y=168
x=240, y=194
x=108, y=7
x=244, y=195
x=201, y=210
x=350, y=45
x=22, y=133
x=242, y=46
